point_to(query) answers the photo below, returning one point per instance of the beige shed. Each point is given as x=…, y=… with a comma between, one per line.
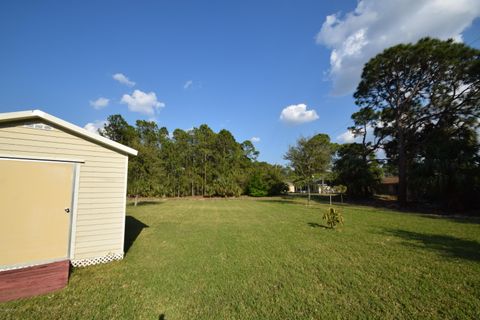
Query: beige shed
x=62, y=192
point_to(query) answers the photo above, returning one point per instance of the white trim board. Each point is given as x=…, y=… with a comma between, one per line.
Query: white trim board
x=73, y=217
x=37, y=158
x=124, y=204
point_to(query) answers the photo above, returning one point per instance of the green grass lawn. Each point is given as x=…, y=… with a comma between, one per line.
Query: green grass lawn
x=273, y=259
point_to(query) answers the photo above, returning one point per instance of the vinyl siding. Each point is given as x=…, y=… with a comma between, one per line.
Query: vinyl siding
x=101, y=190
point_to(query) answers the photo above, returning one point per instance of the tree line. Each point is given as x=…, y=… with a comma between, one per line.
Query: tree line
x=196, y=162
x=421, y=105
x=418, y=103
x=423, y=102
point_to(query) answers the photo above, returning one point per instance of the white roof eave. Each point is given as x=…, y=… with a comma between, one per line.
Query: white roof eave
x=38, y=114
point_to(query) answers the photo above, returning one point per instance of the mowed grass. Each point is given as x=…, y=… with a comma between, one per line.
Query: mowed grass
x=273, y=259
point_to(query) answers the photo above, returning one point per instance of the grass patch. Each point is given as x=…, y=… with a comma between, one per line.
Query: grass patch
x=274, y=259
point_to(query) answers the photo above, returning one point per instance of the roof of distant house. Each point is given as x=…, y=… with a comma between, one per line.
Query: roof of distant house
x=390, y=180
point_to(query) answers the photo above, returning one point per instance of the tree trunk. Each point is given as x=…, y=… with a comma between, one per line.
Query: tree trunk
x=204, y=174
x=402, y=171
x=308, y=188
x=136, y=200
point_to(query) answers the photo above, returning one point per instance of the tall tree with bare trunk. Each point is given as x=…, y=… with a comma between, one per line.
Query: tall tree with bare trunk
x=411, y=87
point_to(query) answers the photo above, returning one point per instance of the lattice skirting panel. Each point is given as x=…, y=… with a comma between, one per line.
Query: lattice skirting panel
x=97, y=260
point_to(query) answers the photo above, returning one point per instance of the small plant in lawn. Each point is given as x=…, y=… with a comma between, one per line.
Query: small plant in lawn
x=333, y=217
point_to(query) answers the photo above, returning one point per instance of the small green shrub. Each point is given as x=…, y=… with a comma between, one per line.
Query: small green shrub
x=253, y=192
x=333, y=217
x=257, y=186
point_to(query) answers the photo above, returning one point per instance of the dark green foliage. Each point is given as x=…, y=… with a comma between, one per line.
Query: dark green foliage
x=257, y=187
x=266, y=180
x=249, y=150
x=191, y=163
x=143, y=170
x=447, y=169
x=310, y=159
x=411, y=91
x=117, y=129
x=359, y=172
x=333, y=217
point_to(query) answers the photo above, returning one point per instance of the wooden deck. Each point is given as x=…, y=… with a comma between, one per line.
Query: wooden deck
x=32, y=281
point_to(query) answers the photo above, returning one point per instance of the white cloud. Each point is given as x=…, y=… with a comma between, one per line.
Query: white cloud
x=298, y=114
x=187, y=84
x=374, y=25
x=99, y=103
x=93, y=127
x=142, y=102
x=255, y=139
x=120, y=77
x=347, y=137
x=380, y=153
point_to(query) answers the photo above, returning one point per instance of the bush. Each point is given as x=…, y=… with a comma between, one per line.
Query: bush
x=257, y=192
x=333, y=217
x=257, y=187
x=265, y=180
x=278, y=188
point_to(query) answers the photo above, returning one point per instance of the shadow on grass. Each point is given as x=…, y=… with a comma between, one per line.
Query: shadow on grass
x=458, y=219
x=280, y=200
x=445, y=245
x=427, y=210
x=317, y=225
x=316, y=198
x=141, y=203
x=133, y=228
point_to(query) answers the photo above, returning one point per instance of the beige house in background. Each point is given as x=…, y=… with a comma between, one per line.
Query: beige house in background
x=62, y=193
x=291, y=187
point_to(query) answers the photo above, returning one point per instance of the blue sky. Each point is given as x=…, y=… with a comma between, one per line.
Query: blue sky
x=229, y=64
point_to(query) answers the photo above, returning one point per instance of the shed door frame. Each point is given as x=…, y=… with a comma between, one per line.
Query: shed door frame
x=74, y=200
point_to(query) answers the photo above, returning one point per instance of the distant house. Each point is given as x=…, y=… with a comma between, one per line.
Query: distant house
x=388, y=185
x=317, y=187
x=291, y=187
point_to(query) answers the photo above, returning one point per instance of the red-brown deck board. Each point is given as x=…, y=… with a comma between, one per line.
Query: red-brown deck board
x=32, y=281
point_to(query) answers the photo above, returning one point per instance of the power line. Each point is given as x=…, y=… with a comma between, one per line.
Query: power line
x=475, y=40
